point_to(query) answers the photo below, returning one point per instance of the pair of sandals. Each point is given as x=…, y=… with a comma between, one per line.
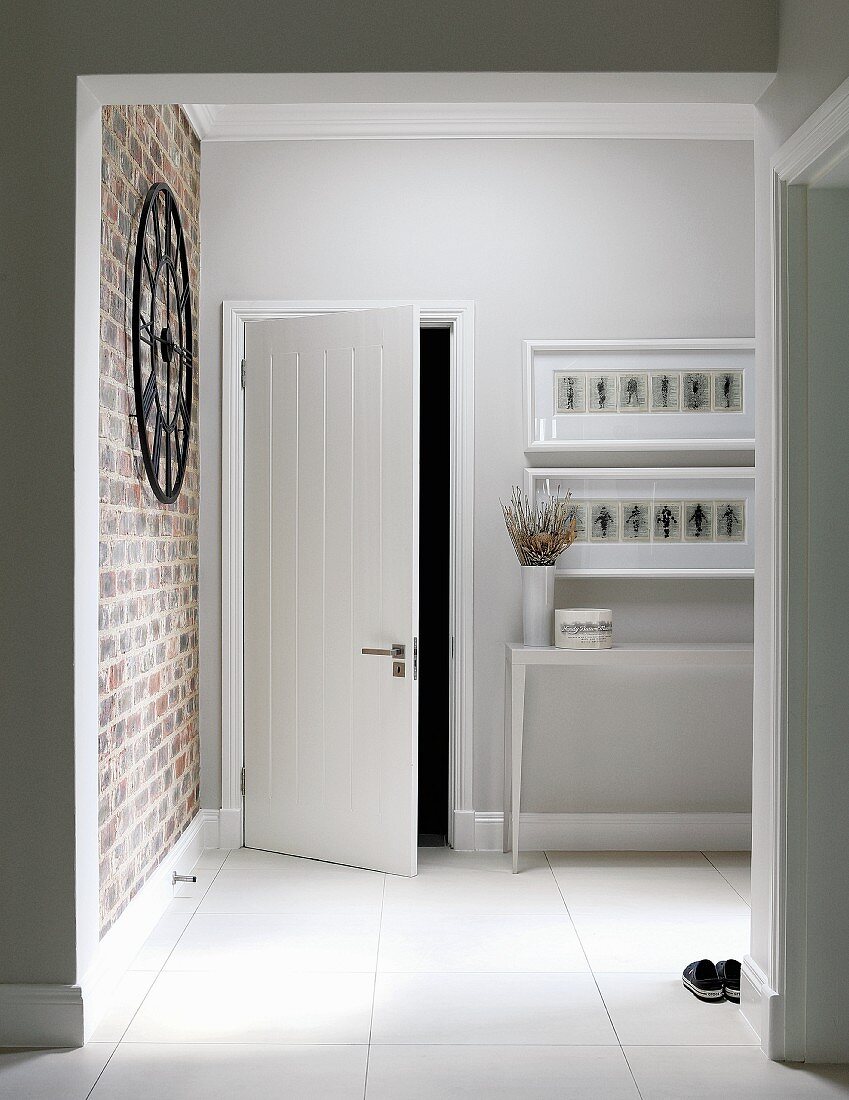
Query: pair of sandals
x=713, y=983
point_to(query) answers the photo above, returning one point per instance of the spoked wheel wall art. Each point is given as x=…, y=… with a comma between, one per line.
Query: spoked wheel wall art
x=162, y=335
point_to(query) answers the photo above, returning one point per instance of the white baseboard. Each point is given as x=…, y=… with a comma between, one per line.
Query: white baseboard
x=660, y=832
x=124, y=939
x=211, y=828
x=761, y=1006
x=229, y=829
x=464, y=830
x=41, y=1016
x=66, y=1015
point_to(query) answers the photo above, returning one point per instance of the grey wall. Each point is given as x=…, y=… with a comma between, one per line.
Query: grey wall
x=552, y=239
x=812, y=61
x=828, y=594
x=42, y=54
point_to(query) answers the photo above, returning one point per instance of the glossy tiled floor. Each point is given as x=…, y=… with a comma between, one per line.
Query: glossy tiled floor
x=279, y=977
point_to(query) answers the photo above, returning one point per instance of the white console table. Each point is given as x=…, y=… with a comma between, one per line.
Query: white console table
x=517, y=659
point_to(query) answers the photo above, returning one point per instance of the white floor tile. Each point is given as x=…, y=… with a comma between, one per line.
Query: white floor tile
x=284, y=1009
x=490, y=1073
x=605, y=862
x=255, y=859
x=299, y=887
x=211, y=859
x=736, y=867
x=437, y=890
x=652, y=942
x=672, y=1073
x=151, y=1072
x=478, y=861
x=656, y=1010
x=123, y=1005
x=495, y=943
x=510, y=1009
x=345, y=942
x=680, y=894
x=52, y=1074
x=162, y=940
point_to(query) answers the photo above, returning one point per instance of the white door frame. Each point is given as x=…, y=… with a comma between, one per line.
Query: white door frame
x=804, y=158
x=458, y=316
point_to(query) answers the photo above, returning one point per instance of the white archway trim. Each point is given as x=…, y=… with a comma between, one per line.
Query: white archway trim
x=774, y=1002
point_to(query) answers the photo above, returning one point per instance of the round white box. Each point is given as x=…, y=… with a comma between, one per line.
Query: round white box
x=583, y=628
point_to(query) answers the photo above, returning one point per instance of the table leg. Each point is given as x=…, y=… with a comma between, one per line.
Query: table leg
x=508, y=786
x=517, y=722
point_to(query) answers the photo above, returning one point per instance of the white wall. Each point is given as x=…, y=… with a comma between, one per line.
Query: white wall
x=580, y=239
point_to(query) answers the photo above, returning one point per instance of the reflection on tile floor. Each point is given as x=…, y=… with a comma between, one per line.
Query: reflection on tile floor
x=281, y=977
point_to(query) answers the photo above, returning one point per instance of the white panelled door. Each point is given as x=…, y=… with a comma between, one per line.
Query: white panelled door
x=331, y=571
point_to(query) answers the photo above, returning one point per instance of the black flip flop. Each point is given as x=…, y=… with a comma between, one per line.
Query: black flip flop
x=728, y=971
x=703, y=981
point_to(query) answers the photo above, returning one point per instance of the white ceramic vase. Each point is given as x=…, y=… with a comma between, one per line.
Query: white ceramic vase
x=537, y=604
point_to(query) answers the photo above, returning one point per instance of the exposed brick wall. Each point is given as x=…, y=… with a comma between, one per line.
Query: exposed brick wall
x=149, y=751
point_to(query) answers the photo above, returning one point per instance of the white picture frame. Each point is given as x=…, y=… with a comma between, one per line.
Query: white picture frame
x=670, y=550
x=647, y=426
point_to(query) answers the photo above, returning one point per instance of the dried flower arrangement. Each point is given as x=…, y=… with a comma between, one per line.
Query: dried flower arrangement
x=539, y=534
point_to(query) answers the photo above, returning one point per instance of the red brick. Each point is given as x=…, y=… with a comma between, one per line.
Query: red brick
x=148, y=612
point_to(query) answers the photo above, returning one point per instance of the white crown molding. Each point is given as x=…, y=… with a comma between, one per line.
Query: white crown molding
x=818, y=145
x=345, y=121
x=200, y=116
x=647, y=832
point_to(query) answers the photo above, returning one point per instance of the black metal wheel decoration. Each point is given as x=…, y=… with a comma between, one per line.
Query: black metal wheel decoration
x=162, y=343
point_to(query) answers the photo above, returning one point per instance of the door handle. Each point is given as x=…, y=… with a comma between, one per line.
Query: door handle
x=397, y=652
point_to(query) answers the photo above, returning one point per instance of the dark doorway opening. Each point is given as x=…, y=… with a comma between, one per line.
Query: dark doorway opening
x=434, y=574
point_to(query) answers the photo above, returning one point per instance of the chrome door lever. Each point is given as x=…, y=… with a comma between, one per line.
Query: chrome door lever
x=397, y=652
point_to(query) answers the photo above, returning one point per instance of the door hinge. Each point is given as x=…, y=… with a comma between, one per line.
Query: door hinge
x=452, y=647
x=244, y=372
x=242, y=783
x=415, y=658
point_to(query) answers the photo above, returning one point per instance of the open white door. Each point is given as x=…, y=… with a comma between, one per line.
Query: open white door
x=331, y=573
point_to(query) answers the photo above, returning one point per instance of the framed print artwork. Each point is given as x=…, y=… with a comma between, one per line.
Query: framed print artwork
x=639, y=395
x=662, y=522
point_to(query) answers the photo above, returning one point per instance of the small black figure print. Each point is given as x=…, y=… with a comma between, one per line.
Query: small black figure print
x=635, y=520
x=604, y=522
x=601, y=392
x=730, y=520
x=665, y=391
x=728, y=391
x=699, y=521
x=569, y=393
x=667, y=521
x=696, y=386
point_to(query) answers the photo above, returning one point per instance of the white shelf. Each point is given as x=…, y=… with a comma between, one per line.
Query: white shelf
x=681, y=445
x=666, y=654
x=660, y=574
